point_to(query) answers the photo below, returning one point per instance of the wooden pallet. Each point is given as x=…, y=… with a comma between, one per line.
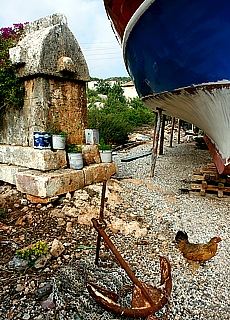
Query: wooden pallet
x=209, y=172
x=208, y=182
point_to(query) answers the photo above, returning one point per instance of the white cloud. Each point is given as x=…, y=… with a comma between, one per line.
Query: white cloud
x=88, y=22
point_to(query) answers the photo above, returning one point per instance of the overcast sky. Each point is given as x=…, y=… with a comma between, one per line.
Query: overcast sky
x=88, y=22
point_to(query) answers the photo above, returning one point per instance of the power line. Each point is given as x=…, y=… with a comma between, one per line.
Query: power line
x=96, y=55
x=97, y=42
x=95, y=49
x=104, y=59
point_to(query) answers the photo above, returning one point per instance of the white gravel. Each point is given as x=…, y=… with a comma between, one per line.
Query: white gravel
x=196, y=295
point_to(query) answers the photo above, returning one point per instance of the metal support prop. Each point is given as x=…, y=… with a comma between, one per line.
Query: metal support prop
x=161, y=149
x=155, y=146
x=101, y=218
x=179, y=130
x=172, y=130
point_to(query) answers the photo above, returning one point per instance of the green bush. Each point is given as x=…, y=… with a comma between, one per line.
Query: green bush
x=74, y=148
x=113, y=129
x=119, y=117
x=37, y=249
x=11, y=88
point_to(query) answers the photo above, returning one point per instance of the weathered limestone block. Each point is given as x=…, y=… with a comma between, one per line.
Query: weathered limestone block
x=49, y=184
x=50, y=48
x=99, y=172
x=33, y=158
x=53, y=183
x=7, y=173
x=90, y=154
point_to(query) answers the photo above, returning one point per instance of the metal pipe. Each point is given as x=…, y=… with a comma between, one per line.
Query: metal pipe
x=101, y=217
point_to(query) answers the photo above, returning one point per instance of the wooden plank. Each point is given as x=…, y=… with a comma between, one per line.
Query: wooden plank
x=128, y=145
x=197, y=171
x=206, y=176
x=207, y=182
x=202, y=192
x=198, y=177
x=220, y=193
x=211, y=196
x=197, y=186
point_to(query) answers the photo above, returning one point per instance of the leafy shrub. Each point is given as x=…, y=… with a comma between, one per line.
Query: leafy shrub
x=11, y=88
x=113, y=128
x=103, y=146
x=37, y=249
x=74, y=148
x=118, y=117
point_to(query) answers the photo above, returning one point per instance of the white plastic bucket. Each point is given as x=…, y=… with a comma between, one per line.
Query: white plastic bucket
x=58, y=141
x=106, y=155
x=75, y=161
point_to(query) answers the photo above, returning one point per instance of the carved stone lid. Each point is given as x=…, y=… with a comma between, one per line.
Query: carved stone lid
x=50, y=48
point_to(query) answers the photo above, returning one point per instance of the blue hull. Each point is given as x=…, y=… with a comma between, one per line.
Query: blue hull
x=178, y=43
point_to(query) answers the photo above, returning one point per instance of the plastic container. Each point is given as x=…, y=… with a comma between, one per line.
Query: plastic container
x=91, y=136
x=58, y=141
x=75, y=161
x=42, y=140
x=106, y=155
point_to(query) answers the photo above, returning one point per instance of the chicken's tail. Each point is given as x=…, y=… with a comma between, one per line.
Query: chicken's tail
x=181, y=236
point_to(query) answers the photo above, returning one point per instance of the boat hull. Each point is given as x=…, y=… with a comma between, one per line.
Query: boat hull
x=172, y=44
x=177, y=53
x=206, y=106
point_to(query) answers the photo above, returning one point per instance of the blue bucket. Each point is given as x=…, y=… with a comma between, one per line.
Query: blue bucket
x=42, y=140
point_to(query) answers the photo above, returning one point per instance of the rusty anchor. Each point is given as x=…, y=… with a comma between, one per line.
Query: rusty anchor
x=146, y=299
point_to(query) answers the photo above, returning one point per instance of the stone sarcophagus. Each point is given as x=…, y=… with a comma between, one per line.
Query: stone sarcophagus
x=50, y=62
x=53, y=69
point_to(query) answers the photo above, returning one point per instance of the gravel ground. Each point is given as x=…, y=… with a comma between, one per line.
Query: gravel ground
x=143, y=215
x=205, y=294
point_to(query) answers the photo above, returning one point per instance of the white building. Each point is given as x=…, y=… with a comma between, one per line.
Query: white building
x=129, y=90
x=128, y=87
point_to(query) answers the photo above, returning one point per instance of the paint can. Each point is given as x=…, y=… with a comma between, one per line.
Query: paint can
x=42, y=140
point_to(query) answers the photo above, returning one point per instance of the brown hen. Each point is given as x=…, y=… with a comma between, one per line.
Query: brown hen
x=200, y=252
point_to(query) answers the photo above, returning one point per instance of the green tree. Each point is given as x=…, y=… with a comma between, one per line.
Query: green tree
x=117, y=93
x=103, y=87
x=113, y=128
